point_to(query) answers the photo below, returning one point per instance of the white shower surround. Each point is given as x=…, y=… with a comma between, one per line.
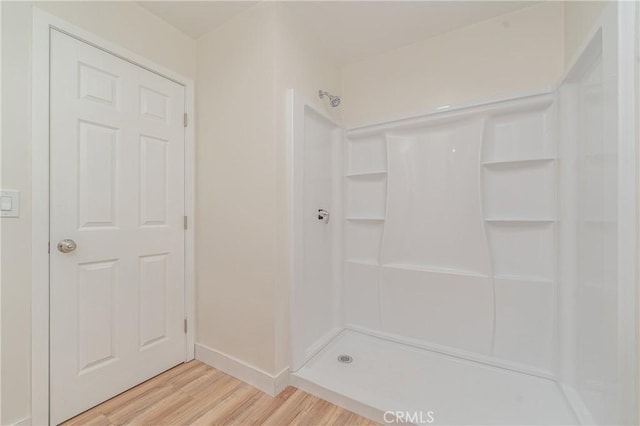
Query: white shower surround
x=459, y=263
x=452, y=229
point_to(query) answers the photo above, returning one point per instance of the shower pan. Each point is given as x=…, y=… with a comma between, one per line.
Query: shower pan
x=479, y=266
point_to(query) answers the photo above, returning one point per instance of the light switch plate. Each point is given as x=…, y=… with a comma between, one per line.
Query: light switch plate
x=9, y=203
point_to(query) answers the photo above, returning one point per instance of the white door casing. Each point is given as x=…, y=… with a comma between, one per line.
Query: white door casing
x=117, y=189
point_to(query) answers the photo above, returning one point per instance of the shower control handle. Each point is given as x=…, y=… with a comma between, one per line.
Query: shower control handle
x=323, y=215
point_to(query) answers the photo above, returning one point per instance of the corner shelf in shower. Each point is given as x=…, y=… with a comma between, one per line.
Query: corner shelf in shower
x=517, y=163
x=371, y=174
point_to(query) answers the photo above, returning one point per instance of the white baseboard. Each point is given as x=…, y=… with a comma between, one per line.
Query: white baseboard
x=267, y=383
x=281, y=381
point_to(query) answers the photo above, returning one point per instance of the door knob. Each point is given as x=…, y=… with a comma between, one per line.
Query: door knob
x=67, y=245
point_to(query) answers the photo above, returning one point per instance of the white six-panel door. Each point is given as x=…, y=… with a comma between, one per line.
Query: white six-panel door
x=117, y=191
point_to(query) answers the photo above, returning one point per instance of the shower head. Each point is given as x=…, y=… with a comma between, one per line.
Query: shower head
x=333, y=100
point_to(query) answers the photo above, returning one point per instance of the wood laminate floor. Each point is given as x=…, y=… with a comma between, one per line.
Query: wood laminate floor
x=197, y=394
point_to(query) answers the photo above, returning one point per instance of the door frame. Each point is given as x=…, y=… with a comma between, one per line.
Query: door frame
x=43, y=24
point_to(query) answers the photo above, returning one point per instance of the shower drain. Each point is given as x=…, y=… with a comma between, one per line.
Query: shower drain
x=345, y=359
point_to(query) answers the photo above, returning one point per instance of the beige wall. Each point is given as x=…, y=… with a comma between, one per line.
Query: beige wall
x=124, y=23
x=16, y=233
x=579, y=18
x=517, y=52
x=244, y=70
x=236, y=178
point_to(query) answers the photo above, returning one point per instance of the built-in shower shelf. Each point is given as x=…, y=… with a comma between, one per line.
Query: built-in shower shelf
x=515, y=220
x=366, y=219
x=518, y=163
x=373, y=174
x=365, y=262
x=434, y=269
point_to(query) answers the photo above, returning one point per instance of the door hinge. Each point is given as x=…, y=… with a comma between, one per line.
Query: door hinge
x=185, y=326
x=185, y=222
x=186, y=120
x=49, y=247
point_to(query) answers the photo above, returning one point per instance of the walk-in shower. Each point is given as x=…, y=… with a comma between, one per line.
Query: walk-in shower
x=480, y=262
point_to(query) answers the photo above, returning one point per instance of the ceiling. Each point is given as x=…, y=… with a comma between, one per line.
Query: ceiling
x=350, y=30
x=196, y=18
